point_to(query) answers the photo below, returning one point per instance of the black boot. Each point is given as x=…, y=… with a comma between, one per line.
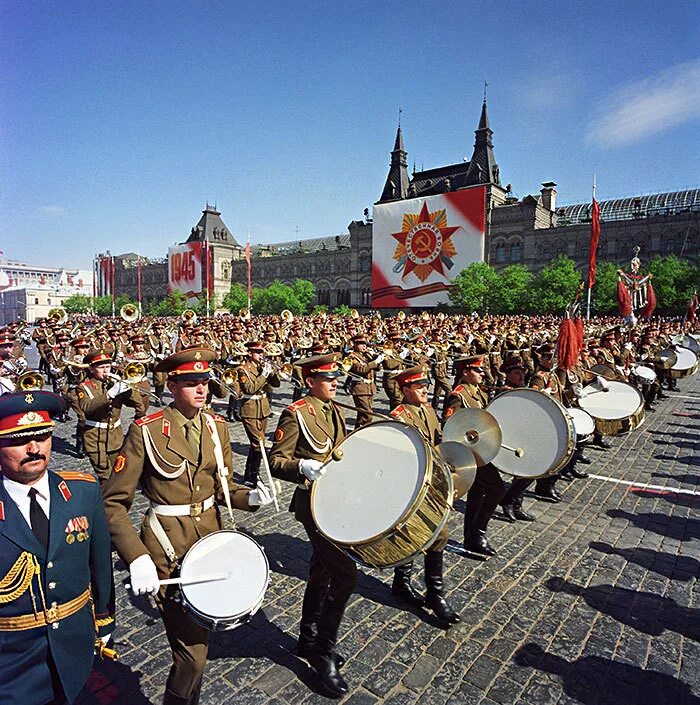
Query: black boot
x=435, y=594
x=322, y=659
x=599, y=440
x=229, y=408
x=548, y=493
x=477, y=543
x=311, y=607
x=509, y=513
x=79, y=442
x=520, y=514
x=172, y=699
x=252, y=468
x=402, y=587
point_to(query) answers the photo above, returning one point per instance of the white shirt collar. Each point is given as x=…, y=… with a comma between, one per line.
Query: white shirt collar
x=19, y=491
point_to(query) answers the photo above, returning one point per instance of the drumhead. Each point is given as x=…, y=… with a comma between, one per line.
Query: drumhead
x=225, y=553
x=583, y=421
x=619, y=402
x=645, y=373
x=538, y=424
x=686, y=358
x=373, y=485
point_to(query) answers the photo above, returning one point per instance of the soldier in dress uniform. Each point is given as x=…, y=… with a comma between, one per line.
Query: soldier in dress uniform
x=362, y=386
x=254, y=376
x=75, y=375
x=415, y=411
x=307, y=432
x=487, y=491
x=101, y=401
x=392, y=364
x=181, y=458
x=56, y=585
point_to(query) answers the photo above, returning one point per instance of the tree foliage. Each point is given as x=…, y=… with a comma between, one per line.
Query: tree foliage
x=78, y=303
x=236, y=299
x=604, y=294
x=512, y=290
x=474, y=286
x=674, y=281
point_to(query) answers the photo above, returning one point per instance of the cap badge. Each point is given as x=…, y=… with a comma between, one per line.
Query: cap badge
x=198, y=366
x=29, y=398
x=197, y=356
x=29, y=417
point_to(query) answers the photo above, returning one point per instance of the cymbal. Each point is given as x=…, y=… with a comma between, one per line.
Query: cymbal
x=665, y=359
x=463, y=464
x=478, y=430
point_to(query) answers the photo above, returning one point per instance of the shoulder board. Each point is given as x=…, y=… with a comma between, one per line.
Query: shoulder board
x=298, y=404
x=76, y=475
x=459, y=388
x=148, y=419
x=396, y=412
x=217, y=418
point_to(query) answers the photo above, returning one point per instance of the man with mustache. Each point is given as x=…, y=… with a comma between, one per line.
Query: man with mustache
x=56, y=584
x=181, y=458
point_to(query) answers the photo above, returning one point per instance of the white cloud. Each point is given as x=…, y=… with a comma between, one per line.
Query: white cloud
x=648, y=106
x=547, y=91
x=52, y=210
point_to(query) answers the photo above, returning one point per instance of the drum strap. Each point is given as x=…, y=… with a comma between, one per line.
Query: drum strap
x=161, y=536
x=152, y=452
x=220, y=465
x=310, y=439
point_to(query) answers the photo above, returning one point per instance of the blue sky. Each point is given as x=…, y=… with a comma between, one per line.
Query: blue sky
x=120, y=120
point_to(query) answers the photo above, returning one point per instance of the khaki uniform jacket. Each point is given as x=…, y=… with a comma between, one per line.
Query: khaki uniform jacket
x=363, y=367
x=422, y=418
x=98, y=407
x=546, y=379
x=197, y=482
x=304, y=432
x=465, y=396
x=252, y=382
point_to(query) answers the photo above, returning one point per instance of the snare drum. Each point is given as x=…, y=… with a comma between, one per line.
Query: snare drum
x=387, y=497
x=620, y=409
x=539, y=425
x=224, y=604
x=686, y=365
x=584, y=424
x=645, y=374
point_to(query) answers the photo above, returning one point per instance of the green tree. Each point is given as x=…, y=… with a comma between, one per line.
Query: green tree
x=275, y=298
x=673, y=281
x=305, y=291
x=473, y=286
x=103, y=305
x=555, y=287
x=511, y=291
x=78, y=303
x=236, y=298
x=172, y=305
x=342, y=310
x=604, y=294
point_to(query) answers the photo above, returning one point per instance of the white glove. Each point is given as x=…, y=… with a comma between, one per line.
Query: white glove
x=260, y=496
x=105, y=639
x=547, y=390
x=144, y=576
x=118, y=388
x=313, y=469
x=379, y=359
x=602, y=383
x=267, y=369
x=404, y=353
x=577, y=389
x=629, y=346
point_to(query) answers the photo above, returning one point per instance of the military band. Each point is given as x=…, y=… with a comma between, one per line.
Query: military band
x=180, y=458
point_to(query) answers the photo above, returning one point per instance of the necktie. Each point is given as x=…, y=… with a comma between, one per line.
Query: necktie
x=192, y=435
x=38, y=520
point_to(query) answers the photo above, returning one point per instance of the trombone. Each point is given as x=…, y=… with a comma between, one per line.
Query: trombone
x=31, y=381
x=345, y=364
x=226, y=376
x=134, y=372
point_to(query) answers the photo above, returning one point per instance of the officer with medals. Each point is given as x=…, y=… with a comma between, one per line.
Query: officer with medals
x=101, y=400
x=307, y=431
x=56, y=584
x=415, y=411
x=181, y=458
x=488, y=488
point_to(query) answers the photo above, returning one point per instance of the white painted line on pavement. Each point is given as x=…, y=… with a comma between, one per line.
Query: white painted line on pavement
x=645, y=486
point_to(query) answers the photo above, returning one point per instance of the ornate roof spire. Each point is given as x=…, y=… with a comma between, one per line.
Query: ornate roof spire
x=482, y=166
x=396, y=186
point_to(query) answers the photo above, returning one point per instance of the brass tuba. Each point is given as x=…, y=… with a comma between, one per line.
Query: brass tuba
x=354, y=314
x=58, y=315
x=287, y=316
x=401, y=316
x=30, y=381
x=244, y=313
x=134, y=372
x=188, y=316
x=129, y=313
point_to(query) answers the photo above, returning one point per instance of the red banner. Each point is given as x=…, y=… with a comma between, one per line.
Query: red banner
x=595, y=237
x=247, y=259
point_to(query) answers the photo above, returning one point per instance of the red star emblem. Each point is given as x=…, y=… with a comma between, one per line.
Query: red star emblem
x=425, y=244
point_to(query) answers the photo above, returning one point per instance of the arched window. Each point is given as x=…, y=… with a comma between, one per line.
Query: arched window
x=516, y=251
x=500, y=253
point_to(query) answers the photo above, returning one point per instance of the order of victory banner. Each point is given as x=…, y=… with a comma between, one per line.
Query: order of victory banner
x=420, y=245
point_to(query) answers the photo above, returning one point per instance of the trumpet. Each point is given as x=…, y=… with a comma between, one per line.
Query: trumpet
x=345, y=365
x=226, y=376
x=244, y=313
x=31, y=381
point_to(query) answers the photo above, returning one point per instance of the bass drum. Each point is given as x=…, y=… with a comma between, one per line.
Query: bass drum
x=686, y=364
x=584, y=423
x=224, y=604
x=617, y=408
x=386, y=497
x=536, y=424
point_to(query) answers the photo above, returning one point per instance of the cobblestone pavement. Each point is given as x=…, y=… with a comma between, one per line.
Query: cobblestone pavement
x=596, y=602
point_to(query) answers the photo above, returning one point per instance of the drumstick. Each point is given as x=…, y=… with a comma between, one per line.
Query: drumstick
x=519, y=452
x=189, y=581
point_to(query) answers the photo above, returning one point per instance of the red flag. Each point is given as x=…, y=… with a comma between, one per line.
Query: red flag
x=624, y=302
x=247, y=259
x=595, y=237
x=568, y=344
x=138, y=281
x=692, y=307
